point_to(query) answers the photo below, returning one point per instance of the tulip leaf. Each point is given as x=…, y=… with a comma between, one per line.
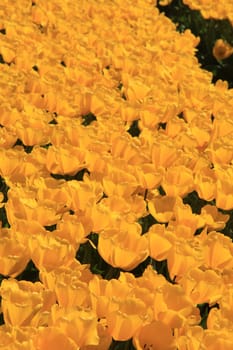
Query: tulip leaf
x=27, y=149
x=195, y=202
x=162, y=268
x=31, y=273
x=78, y=176
x=146, y=222
x=88, y=119
x=1, y=319
x=122, y=345
x=134, y=129
x=87, y=254
x=204, y=312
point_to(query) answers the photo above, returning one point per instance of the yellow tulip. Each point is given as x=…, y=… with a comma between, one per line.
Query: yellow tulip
x=214, y=219
x=218, y=251
x=66, y=160
x=159, y=244
x=224, y=196
x=39, y=15
x=128, y=113
x=190, y=338
x=173, y=307
x=106, y=294
x=17, y=338
x=10, y=162
x=50, y=252
x=127, y=319
x=178, y=181
x=80, y=195
x=79, y=325
x=202, y=286
x=136, y=90
x=105, y=338
x=134, y=205
x=165, y=2
x=79, y=271
x=31, y=134
x=25, y=303
x=53, y=338
x=71, y=291
x=22, y=204
x=7, y=53
x=124, y=148
x=147, y=177
x=154, y=336
x=175, y=126
x=222, y=50
x=122, y=249
x=7, y=139
x=149, y=118
x=218, y=339
x=118, y=182
x=184, y=255
x=185, y=217
x=164, y=153
x=101, y=217
x=162, y=208
x=205, y=183
x=71, y=229
x=14, y=255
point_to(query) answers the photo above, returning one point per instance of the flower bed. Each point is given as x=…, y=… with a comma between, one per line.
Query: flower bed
x=116, y=181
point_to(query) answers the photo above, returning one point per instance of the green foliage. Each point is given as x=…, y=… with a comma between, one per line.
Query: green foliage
x=122, y=345
x=88, y=119
x=209, y=30
x=87, y=254
x=31, y=273
x=134, y=129
x=204, y=312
